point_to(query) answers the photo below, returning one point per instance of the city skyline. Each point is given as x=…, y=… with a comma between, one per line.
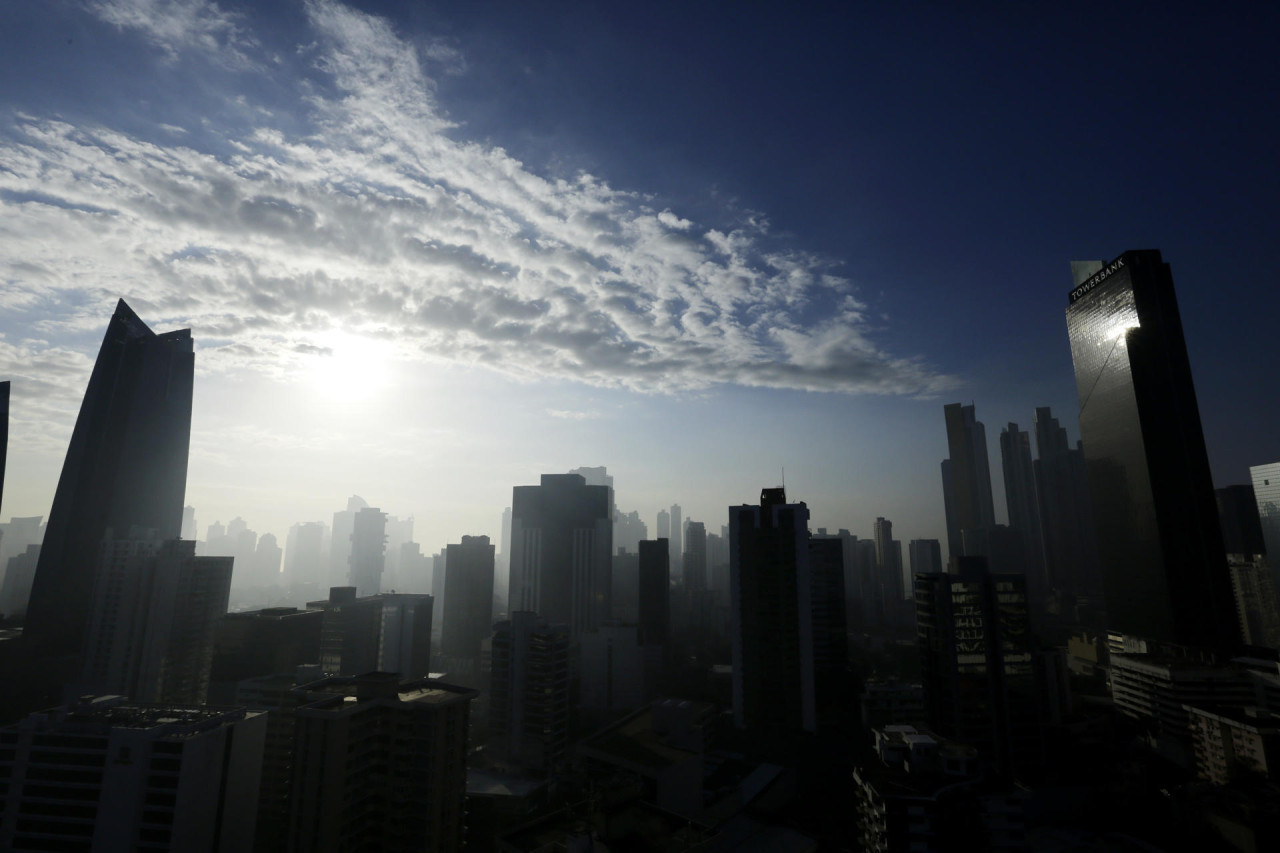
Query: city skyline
x=873, y=278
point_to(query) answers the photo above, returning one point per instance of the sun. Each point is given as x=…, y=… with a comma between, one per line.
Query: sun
x=358, y=364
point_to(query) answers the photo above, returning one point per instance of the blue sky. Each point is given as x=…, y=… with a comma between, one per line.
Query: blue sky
x=429, y=251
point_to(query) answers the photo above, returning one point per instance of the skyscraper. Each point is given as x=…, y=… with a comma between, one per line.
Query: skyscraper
x=677, y=541
x=926, y=556
x=966, y=476
x=1164, y=570
x=695, y=556
x=1020, y=500
x=468, y=587
x=344, y=522
x=786, y=612
x=1065, y=509
x=529, y=691
x=561, y=551
x=1266, y=490
x=654, y=598
x=368, y=550
x=126, y=467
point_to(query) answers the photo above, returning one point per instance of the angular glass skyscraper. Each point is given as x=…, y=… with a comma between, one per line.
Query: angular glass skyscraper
x=1164, y=570
x=126, y=467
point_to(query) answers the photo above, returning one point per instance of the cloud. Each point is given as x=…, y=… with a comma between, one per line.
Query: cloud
x=372, y=213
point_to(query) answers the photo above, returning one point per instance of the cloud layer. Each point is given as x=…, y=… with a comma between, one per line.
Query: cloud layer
x=378, y=217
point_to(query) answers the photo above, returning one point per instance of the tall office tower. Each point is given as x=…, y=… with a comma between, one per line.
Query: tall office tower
x=502, y=573
x=344, y=523
x=966, y=475
x=561, y=551
x=404, y=642
x=468, y=586
x=189, y=523
x=628, y=530
x=106, y=774
x=1157, y=527
x=893, y=611
x=368, y=550
x=439, y=564
x=926, y=556
x=399, y=531
x=304, y=553
x=862, y=586
x=379, y=764
x=677, y=542
x=1066, y=518
x=1020, y=499
x=415, y=568
x=773, y=582
x=664, y=525
x=267, y=558
x=613, y=668
x=126, y=466
x=529, y=695
x=718, y=566
x=156, y=609
x=977, y=663
x=695, y=556
x=1240, y=521
x=655, y=606
x=626, y=586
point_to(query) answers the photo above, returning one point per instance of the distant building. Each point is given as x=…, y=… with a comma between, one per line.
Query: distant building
x=1266, y=490
x=1157, y=528
x=126, y=467
x=344, y=523
x=926, y=557
x=396, y=748
x=561, y=551
x=469, y=591
x=625, y=585
x=966, y=476
x=156, y=608
x=368, y=550
x=18, y=577
x=655, y=606
x=1065, y=510
x=304, y=554
x=261, y=643
x=106, y=774
x=613, y=672
x=1020, y=501
x=390, y=632
x=529, y=692
x=677, y=541
x=695, y=556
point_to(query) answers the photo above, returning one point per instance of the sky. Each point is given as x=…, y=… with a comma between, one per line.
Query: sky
x=430, y=251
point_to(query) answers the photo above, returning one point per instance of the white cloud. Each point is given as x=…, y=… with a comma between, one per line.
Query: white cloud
x=382, y=221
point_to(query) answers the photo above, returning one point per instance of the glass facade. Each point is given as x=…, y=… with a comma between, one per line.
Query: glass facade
x=1164, y=571
x=1266, y=489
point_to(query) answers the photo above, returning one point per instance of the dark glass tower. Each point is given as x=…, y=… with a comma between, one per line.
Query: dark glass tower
x=1164, y=573
x=126, y=467
x=966, y=476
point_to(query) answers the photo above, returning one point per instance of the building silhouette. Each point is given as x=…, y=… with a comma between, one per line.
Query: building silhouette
x=126, y=467
x=304, y=554
x=529, y=692
x=389, y=632
x=1266, y=491
x=655, y=606
x=677, y=541
x=1020, y=501
x=1065, y=509
x=379, y=763
x=368, y=550
x=561, y=551
x=344, y=523
x=156, y=607
x=1164, y=569
x=695, y=556
x=978, y=664
x=966, y=476
x=780, y=618
x=926, y=556
x=468, y=587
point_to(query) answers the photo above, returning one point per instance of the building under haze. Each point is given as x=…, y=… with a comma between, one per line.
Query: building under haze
x=368, y=550
x=529, y=692
x=1065, y=510
x=468, y=587
x=966, y=476
x=126, y=467
x=1020, y=501
x=1164, y=569
x=561, y=551
x=695, y=556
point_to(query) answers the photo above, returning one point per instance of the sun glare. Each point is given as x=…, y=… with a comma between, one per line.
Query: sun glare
x=358, y=364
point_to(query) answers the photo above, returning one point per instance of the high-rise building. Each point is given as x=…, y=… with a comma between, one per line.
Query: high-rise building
x=390, y=632
x=368, y=550
x=890, y=584
x=977, y=662
x=966, y=475
x=1020, y=500
x=106, y=774
x=126, y=467
x=529, y=695
x=695, y=556
x=1164, y=569
x=16, y=587
x=261, y=643
x=664, y=525
x=625, y=593
x=304, y=553
x=1066, y=514
x=783, y=673
x=156, y=606
x=189, y=523
x=344, y=523
x=561, y=551
x=1239, y=518
x=379, y=764
x=926, y=556
x=468, y=587
x=677, y=541
x=1266, y=491
x=613, y=671
x=655, y=605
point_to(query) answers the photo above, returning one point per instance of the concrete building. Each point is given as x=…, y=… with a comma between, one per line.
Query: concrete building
x=368, y=551
x=1229, y=742
x=155, y=611
x=468, y=587
x=106, y=774
x=561, y=551
x=529, y=695
x=388, y=633
x=261, y=643
x=613, y=671
x=379, y=764
x=695, y=556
